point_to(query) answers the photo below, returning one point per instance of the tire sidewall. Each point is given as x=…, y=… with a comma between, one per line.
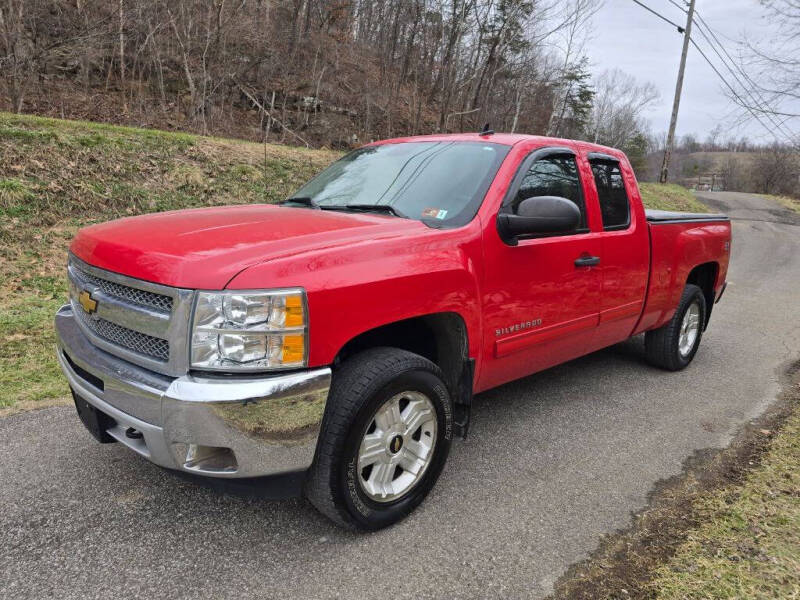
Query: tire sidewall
x=375, y=515
x=695, y=296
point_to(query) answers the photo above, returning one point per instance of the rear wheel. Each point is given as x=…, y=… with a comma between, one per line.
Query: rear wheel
x=384, y=439
x=674, y=345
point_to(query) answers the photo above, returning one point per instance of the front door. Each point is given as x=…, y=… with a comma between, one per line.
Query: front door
x=541, y=297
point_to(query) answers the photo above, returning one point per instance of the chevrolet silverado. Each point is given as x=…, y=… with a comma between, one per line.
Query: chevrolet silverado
x=334, y=342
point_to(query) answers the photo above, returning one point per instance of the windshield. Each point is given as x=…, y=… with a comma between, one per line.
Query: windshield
x=436, y=182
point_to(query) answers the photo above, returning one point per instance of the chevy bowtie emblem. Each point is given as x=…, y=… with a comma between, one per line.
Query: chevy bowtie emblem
x=88, y=303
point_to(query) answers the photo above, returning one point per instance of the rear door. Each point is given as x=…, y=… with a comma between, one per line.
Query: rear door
x=625, y=247
x=541, y=307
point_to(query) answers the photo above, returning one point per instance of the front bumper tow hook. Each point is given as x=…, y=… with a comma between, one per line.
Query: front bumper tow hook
x=133, y=434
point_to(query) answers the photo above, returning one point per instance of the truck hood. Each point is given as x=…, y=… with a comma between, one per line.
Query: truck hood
x=205, y=248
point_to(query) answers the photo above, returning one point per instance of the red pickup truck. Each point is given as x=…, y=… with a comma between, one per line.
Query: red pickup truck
x=333, y=343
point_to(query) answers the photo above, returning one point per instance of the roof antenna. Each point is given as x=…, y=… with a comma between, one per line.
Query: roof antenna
x=487, y=130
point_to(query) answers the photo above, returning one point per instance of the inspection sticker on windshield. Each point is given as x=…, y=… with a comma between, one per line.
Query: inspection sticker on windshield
x=434, y=213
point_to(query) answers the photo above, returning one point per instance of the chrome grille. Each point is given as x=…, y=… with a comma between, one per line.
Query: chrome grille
x=142, y=322
x=127, y=293
x=141, y=343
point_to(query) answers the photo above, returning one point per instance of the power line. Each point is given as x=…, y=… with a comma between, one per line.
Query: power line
x=682, y=8
x=754, y=92
x=733, y=91
x=751, y=93
x=660, y=16
x=756, y=101
x=753, y=111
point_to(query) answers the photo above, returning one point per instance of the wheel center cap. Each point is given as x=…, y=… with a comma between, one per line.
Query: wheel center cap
x=396, y=444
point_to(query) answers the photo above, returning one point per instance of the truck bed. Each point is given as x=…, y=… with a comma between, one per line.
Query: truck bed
x=692, y=240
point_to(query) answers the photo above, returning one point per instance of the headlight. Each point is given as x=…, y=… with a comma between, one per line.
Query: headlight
x=250, y=331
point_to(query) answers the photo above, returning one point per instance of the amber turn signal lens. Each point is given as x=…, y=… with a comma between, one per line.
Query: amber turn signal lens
x=293, y=349
x=294, y=311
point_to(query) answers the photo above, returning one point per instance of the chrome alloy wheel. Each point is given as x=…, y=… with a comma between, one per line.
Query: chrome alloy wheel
x=397, y=446
x=690, y=329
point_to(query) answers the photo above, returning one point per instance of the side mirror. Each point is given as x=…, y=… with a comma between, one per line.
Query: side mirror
x=540, y=214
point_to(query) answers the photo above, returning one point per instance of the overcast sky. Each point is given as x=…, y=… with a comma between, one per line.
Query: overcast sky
x=630, y=38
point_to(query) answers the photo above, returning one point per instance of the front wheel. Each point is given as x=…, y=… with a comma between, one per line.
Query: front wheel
x=384, y=439
x=673, y=345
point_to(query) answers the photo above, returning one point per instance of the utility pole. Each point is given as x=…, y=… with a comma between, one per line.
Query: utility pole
x=678, y=87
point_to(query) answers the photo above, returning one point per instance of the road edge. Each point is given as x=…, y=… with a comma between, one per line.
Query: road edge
x=27, y=406
x=625, y=561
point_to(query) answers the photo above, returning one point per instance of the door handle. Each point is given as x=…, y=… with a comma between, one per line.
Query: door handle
x=587, y=261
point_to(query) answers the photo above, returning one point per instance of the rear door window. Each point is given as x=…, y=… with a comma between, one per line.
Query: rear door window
x=614, y=205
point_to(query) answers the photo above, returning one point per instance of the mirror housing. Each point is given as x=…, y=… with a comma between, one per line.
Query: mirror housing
x=539, y=215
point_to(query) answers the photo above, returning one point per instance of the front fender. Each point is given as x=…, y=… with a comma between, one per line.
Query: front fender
x=376, y=282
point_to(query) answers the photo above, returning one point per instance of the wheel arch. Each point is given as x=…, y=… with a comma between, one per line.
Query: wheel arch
x=442, y=338
x=704, y=276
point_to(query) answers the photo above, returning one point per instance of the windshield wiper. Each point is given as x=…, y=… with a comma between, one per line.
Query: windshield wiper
x=384, y=208
x=302, y=200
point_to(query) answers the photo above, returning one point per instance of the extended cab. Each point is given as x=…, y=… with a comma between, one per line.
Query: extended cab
x=335, y=342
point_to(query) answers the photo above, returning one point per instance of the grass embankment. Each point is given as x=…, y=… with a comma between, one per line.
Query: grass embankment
x=56, y=176
x=748, y=542
x=790, y=203
x=670, y=196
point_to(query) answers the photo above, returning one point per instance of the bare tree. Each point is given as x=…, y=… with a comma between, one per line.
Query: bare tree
x=571, y=35
x=770, y=85
x=33, y=35
x=776, y=170
x=734, y=173
x=18, y=52
x=618, y=108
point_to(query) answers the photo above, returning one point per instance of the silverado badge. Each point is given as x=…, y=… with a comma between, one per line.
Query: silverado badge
x=88, y=303
x=517, y=327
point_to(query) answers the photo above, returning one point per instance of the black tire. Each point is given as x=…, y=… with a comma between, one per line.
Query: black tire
x=361, y=385
x=662, y=345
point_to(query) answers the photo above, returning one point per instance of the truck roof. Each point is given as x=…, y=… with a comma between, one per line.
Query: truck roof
x=506, y=139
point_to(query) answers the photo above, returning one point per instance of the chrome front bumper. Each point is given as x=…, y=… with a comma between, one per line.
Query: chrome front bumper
x=216, y=426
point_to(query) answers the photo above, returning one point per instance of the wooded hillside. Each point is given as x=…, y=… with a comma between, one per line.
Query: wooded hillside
x=313, y=72
x=340, y=73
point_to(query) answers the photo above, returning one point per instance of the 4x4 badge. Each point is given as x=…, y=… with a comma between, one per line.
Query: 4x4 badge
x=88, y=303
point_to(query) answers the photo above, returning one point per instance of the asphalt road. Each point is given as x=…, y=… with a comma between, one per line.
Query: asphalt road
x=552, y=463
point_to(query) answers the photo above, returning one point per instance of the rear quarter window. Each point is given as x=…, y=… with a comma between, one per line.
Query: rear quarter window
x=614, y=204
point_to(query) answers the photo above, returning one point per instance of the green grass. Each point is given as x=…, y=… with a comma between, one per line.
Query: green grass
x=748, y=543
x=58, y=176
x=670, y=196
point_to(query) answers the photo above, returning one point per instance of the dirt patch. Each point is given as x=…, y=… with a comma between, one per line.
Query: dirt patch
x=626, y=561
